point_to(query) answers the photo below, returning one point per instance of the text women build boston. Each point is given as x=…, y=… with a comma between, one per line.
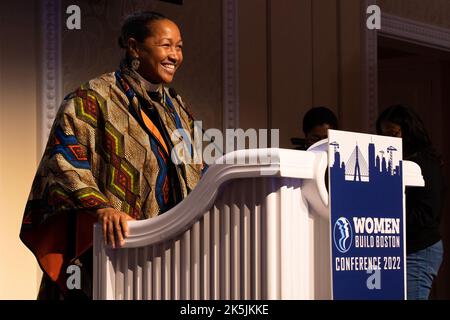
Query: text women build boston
x=365, y=228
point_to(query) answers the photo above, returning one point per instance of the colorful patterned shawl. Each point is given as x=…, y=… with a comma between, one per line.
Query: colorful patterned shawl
x=101, y=154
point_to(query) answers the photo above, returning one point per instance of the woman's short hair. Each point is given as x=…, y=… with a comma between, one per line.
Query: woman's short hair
x=136, y=26
x=318, y=116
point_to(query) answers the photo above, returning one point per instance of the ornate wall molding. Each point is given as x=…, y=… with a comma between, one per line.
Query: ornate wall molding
x=230, y=64
x=411, y=31
x=402, y=29
x=51, y=79
x=369, y=72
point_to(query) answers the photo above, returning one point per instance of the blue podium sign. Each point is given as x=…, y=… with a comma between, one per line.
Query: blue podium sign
x=367, y=216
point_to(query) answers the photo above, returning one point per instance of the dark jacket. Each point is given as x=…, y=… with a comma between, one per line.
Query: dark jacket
x=424, y=205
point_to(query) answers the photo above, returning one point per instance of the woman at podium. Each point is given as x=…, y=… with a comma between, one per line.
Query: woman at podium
x=108, y=157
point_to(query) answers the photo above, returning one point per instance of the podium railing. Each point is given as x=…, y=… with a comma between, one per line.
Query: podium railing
x=257, y=228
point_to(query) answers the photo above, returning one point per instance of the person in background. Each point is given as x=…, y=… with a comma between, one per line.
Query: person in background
x=423, y=205
x=108, y=157
x=316, y=123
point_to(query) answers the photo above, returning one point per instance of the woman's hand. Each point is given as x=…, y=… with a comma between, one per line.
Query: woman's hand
x=114, y=224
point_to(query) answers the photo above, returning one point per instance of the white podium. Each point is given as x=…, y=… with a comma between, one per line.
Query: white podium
x=257, y=228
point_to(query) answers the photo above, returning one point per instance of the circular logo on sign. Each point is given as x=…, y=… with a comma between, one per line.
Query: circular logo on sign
x=342, y=235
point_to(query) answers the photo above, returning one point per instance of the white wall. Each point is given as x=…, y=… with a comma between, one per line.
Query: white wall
x=19, y=273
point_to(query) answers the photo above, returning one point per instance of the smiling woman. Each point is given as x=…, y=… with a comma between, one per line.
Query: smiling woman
x=107, y=159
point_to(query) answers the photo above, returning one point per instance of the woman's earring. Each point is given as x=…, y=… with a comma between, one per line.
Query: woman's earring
x=135, y=64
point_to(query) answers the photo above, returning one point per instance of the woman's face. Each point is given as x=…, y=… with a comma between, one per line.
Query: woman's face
x=160, y=54
x=391, y=129
x=317, y=133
